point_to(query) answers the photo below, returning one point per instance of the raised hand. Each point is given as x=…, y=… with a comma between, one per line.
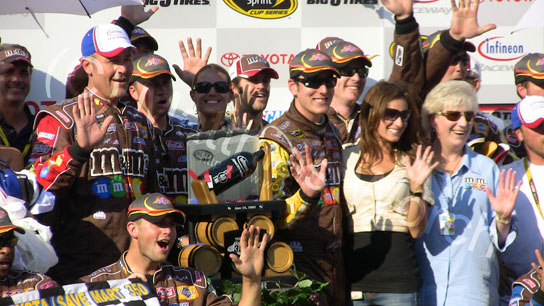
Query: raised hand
x=241, y=122
x=507, y=193
x=419, y=171
x=400, y=8
x=303, y=171
x=464, y=20
x=89, y=132
x=192, y=61
x=538, y=268
x=251, y=260
x=136, y=14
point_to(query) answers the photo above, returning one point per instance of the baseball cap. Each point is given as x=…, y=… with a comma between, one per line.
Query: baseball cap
x=153, y=207
x=14, y=53
x=140, y=34
x=342, y=52
x=428, y=42
x=6, y=225
x=530, y=68
x=106, y=39
x=149, y=66
x=326, y=42
x=249, y=65
x=311, y=62
x=528, y=112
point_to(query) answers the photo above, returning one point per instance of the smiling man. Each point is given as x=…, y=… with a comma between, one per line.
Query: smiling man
x=352, y=64
x=313, y=222
x=95, y=153
x=15, y=117
x=251, y=76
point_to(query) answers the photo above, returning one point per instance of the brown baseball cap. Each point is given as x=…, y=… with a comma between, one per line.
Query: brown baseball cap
x=149, y=66
x=153, y=207
x=311, y=62
x=530, y=68
x=343, y=52
x=326, y=42
x=249, y=65
x=13, y=53
x=6, y=225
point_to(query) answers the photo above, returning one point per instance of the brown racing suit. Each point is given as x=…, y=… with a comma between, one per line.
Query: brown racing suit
x=93, y=188
x=312, y=226
x=171, y=159
x=22, y=281
x=174, y=285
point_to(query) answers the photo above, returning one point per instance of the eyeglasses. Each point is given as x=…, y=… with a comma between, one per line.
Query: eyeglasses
x=392, y=114
x=351, y=71
x=454, y=115
x=205, y=87
x=8, y=241
x=315, y=83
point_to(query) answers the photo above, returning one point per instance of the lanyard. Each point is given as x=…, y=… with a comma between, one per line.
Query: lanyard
x=532, y=186
x=449, y=201
x=6, y=142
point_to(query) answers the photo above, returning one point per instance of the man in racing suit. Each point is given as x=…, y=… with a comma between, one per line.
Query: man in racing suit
x=151, y=226
x=151, y=88
x=95, y=154
x=313, y=222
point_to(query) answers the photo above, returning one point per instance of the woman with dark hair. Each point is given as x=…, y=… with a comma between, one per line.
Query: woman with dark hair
x=211, y=92
x=387, y=196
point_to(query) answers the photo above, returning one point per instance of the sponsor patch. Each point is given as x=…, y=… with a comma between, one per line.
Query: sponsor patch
x=139, y=140
x=296, y=246
x=175, y=145
x=117, y=186
x=296, y=133
x=41, y=148
x=166, y=292
x=187, y=292
x=46, y=135
x=62, y=116
x=112, y=128
x=130, y=125
x=99, y=215
x=45, y=172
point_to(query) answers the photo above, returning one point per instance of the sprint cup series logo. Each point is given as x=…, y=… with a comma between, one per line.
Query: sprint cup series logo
x=263, y=9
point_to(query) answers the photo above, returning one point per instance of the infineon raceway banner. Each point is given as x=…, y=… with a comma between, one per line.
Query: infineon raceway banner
x=277, y=30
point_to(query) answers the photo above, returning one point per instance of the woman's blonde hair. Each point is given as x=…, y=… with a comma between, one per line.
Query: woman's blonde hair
x=454, y=94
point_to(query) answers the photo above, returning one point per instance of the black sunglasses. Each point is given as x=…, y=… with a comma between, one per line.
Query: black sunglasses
x=454, y=115
x=315, y=83
x=351, y=71
x=8, y=241
x=392, y=114
x=205, y=87
x=463, y=59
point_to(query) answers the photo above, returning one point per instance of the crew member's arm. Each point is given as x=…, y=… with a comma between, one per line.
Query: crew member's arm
x=287, y=166
x=251, y=264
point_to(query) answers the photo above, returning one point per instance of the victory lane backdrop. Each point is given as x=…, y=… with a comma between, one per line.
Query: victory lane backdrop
x=277, y=30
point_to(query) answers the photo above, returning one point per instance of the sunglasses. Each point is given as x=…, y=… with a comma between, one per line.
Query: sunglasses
x=392, y=114
x=205, y=87
x=315, y=83
x=351, y=71
x=8, y=241
x=454, y=115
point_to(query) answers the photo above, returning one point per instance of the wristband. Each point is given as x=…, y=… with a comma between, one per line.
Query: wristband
x=418, y=193
x=503, y=221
